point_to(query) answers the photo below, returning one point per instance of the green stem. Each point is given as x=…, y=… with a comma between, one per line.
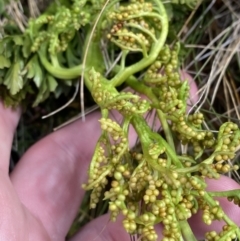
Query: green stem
x=231, y=193
x=143, y=89
x=146, y=136
x=137, y=39
x=154, y=52
x=144, y=30
x=123, y=47
x=60, y=72
x=212, y=202
x=187, y=231
x=166, y=129
x=98, y=180
x=65, y=73
x=171, y=153
x=104, y=113
x=93, y=59
x=207, y=161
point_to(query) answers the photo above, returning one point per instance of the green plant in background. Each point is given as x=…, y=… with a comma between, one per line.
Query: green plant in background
x=158, y=184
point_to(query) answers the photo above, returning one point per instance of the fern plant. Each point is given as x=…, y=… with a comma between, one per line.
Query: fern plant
x=158, y=184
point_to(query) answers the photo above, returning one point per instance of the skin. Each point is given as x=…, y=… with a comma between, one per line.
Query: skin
x=41, y=197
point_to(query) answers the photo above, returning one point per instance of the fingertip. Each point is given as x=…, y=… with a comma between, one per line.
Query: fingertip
x=8, y=122
x=9, y=116
x=49, y=175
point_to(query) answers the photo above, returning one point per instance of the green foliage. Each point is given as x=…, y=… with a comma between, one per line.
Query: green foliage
x=39, y=56
x=51, y=48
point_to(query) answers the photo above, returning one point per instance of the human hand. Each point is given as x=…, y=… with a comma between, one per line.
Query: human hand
x=41, y=197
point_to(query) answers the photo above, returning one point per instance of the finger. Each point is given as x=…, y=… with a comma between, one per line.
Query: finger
x=16, y=222
x=8, y=122
x=231, y=210
x=102, y=229
x=48, y=178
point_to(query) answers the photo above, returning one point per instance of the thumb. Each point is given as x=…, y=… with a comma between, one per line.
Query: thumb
x=8, y=122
